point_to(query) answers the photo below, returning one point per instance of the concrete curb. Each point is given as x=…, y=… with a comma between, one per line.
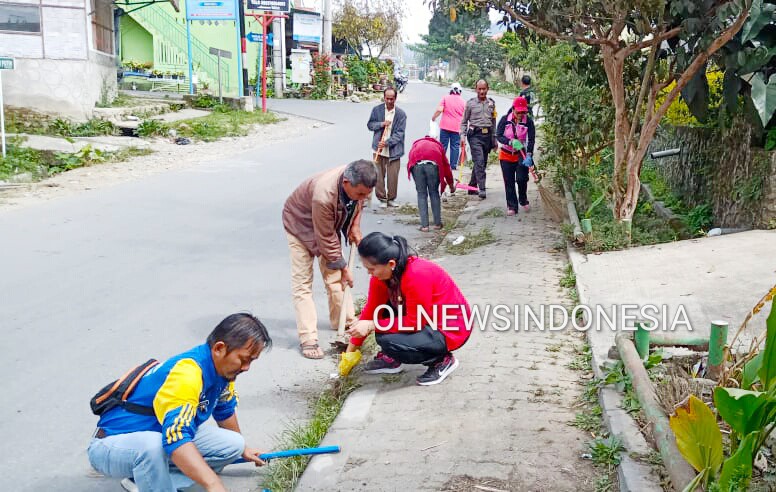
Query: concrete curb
x=633, y=475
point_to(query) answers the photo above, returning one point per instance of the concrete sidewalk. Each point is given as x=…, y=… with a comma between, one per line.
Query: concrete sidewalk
x=500, y=420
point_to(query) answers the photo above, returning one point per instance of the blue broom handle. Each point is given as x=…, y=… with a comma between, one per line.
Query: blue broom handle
x=295, y=452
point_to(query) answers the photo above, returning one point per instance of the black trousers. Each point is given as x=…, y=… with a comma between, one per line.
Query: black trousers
x=480, y=145
x=427, y=346
x=515, y=171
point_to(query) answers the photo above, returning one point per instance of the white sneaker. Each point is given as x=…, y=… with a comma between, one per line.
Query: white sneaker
x=128, y=485
x=391, y=203
x=383, y=204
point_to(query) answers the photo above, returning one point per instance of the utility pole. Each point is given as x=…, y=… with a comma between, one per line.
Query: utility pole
x=278, y=55
x=326, y=41
x=243, y=47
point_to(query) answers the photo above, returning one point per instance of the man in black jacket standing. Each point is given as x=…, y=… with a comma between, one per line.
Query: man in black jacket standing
x=387, y=119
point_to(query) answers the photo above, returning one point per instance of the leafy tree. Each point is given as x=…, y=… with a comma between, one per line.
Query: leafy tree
x=669, y=40
x=369, y=23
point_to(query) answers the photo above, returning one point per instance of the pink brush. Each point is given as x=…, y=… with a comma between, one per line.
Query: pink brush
x=461, y=186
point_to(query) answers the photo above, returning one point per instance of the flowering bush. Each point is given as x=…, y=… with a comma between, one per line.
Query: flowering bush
x=321, y=76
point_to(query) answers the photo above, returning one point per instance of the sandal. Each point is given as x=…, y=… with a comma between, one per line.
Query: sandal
x=424, y=229
x=311, y=351
x=439, y=227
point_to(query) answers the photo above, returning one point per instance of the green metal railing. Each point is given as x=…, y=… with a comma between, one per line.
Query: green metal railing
x=170, y=45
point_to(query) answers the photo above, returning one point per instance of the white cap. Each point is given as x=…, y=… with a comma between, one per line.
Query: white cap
x=456, y=87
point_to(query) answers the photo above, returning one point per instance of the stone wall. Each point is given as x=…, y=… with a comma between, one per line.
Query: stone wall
x=720, y=167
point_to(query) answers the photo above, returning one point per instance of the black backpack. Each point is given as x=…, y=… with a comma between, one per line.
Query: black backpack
x=115, y=394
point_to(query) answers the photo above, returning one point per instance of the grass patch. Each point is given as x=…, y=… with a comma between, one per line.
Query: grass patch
x=408, y=209
x=221, y=123
x=493, y=212
x=472, y=242
x=40, y=164
x=283, y=474
x=554, y=348
x=569, y=279
x=605, y=452
x=582, y=360
x=604, y=483
x=589, y=420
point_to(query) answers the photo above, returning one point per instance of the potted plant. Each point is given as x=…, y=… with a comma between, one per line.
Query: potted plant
x=587, y=222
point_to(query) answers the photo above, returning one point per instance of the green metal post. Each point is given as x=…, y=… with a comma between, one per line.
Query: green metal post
x=717, y=342
x=641, y=341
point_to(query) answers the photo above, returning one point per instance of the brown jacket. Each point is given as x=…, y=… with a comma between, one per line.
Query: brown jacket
x=315, y=214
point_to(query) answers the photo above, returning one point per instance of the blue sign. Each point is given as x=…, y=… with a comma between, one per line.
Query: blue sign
x=255, y=37
x=211, y=9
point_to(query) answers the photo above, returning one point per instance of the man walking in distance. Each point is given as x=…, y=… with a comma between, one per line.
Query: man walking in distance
x=479, y=125
x=527, y=92
x=160, y=423
x=322, y=210
x=387, y=118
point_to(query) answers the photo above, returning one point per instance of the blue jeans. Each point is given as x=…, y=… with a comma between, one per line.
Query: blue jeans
x=454, y=139
x=139, y=455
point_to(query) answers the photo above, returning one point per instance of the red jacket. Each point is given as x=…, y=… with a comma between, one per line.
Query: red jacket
x=424, y=285
x=429, y=149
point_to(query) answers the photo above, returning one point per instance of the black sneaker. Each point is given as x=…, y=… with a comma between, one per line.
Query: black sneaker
x=382, y=364
x=482, y=195
x=437, y=373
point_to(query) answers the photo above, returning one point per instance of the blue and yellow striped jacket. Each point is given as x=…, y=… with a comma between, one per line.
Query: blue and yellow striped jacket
x=184, y=392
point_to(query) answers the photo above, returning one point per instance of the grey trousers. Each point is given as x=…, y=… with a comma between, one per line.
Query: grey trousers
x=426, y=176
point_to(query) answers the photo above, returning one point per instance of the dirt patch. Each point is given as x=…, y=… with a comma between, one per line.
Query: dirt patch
x=167, y=156
x=466, y=483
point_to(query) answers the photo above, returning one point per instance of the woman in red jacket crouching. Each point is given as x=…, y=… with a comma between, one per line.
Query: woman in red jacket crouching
x=418, y=314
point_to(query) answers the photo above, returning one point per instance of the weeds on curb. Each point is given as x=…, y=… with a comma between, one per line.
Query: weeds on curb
x=582, y=360
x=472, y=242
x=589, y=420
x=222, y=123
x=606, y=451
x=494, y=212
x=284, y=474
x=604, y=483
x=569, y=279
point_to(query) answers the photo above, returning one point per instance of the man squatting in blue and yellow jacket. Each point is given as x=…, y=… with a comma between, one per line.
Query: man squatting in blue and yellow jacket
x=184, y=392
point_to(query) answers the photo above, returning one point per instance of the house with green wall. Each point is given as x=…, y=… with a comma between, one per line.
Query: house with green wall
x=156, y=35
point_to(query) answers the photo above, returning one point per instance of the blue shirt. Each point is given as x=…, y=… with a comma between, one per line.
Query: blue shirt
x=184, y=392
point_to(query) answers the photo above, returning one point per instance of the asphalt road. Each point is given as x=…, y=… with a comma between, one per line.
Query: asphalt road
x=97, y=282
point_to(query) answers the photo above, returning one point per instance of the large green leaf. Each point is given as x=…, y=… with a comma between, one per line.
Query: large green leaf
x=737, y=407
x=767, y=372
x=751, y=369
x=731, y=85
x=764, y=97
x=697, y=435
x=737, y=470
x=753, y=59
x=696, y=94
x=760, y=15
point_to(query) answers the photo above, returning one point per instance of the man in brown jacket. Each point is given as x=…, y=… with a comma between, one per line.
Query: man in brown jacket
x=324, y=208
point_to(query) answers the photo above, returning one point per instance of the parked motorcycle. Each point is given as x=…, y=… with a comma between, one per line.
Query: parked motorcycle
x=401, y=82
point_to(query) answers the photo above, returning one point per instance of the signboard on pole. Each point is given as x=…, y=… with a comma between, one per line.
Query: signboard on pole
x=273, y=5
x=7, y=63
x=211, y=9
x=256, y=37
x=307, y=28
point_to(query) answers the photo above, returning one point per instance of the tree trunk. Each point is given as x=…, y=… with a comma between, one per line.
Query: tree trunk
x=614, y=62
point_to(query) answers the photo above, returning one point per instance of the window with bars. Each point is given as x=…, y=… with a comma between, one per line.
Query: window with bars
x=102, y=25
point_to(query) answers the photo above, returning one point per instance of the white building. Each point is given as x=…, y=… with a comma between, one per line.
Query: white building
x=65, y=55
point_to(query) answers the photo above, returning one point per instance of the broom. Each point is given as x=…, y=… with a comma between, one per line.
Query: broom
x=374, y=161
x=461, y=162
x=550, y=202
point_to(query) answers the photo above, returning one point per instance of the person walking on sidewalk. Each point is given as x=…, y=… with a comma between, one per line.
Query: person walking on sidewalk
x=415, y=290
x=160, y=424
x=431, y=171
x=527, y=91
x=324, y=208
x=516, y=134
x=387, y=118
x=479, y=125
x=451, y=108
